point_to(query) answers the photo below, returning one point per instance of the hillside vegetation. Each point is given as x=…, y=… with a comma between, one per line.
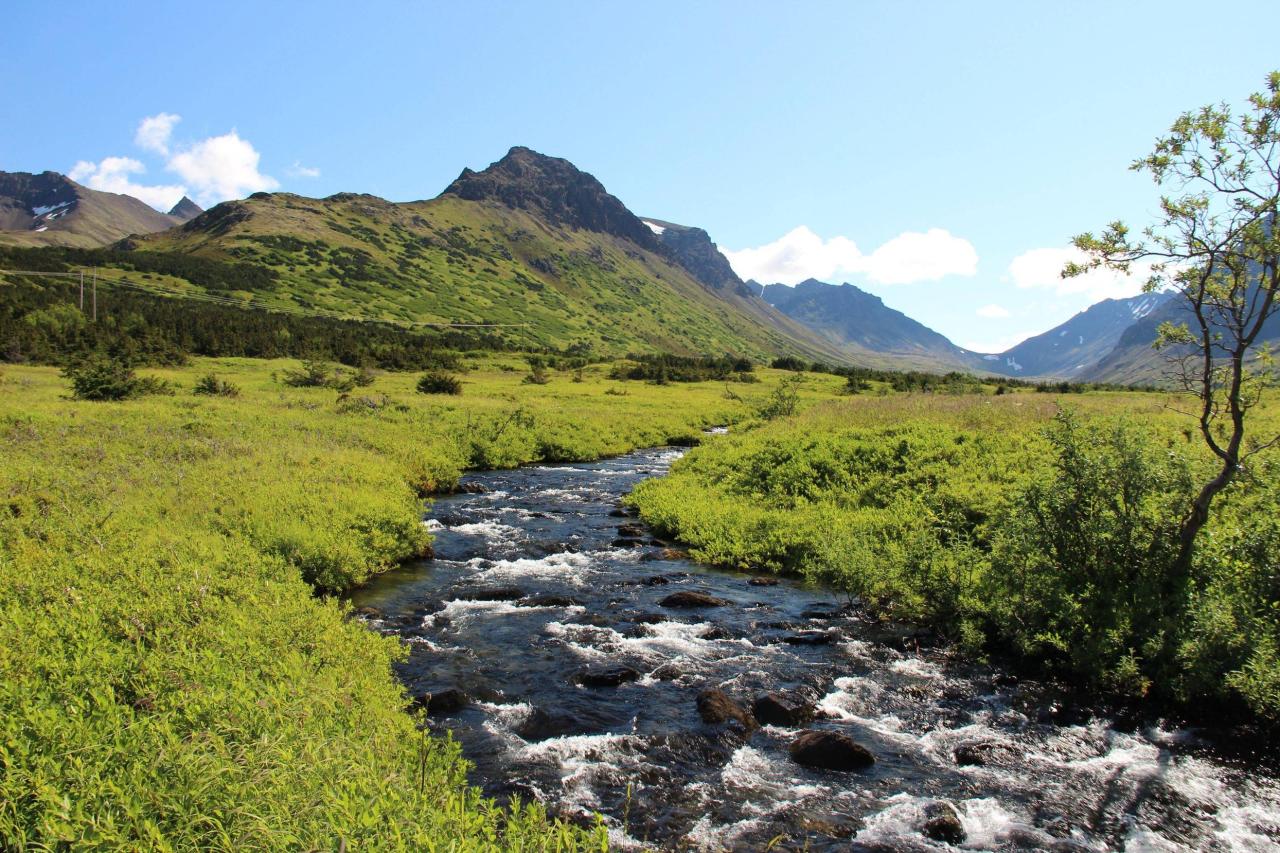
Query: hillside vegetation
x=169, y=677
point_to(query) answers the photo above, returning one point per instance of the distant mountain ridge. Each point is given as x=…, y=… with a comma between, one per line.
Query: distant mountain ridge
x=529, y=242
x=534, y=240
x=859, y=323
x=49, y=209
x=1072, y=349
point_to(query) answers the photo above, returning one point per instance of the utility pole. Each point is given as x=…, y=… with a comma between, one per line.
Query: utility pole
x=95, y=294
x=81, y=291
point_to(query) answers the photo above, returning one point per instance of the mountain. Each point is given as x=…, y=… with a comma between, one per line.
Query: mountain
x=692, y=249
x=1134, y=360
x=51, y=209
x=185, y=210
x=1072, y=349
x=555, y=191
x=865, y=329
x=531, y=240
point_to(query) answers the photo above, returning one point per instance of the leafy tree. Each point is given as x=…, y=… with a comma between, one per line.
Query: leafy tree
x=1215, y=245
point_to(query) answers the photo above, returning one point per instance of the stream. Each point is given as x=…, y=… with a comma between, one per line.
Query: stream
x=543, y=606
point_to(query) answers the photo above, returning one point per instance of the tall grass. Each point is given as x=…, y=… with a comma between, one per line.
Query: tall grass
x=169, y=677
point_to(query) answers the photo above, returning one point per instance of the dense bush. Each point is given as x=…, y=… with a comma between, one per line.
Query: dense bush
x=1083, y=572
x=675, y=368
x=210, y=385
x=790, y=362
x=104, y=377
x=439, y=382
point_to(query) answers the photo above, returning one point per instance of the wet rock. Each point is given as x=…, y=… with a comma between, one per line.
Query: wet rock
x=764, y=581
x=828, y=750
x=655, y=580
x=606, y=676
x=821, y=612
x=982, y=754
x=942, y=823
x=667, y=672
x=715, y=707
x=473, y=488
x=809, y=638
x=622, y=512
x=777, y=709
x=716, y=632
x=548, y=601
x=631, y=531
x=692, y=598
x=649, y=618
x=368, y=613
x=493, y=593
x=595, y=620
x=626, y=543
x=544, y=725
x=450, y=700
x=673, y=554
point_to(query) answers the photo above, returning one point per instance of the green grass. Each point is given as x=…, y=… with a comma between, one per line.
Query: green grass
x=169, y=677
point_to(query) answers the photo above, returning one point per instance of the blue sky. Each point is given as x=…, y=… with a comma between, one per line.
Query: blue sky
x=940, y=155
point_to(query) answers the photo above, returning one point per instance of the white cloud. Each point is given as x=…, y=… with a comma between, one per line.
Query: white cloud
x=113, y=175
x=1042, y=268
x=994, y=312
x=910, y=257
x=221, y=167
x=913, y=256
x=154, y=132
x=297, y=170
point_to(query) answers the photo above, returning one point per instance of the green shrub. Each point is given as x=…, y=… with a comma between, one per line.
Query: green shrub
x=439, y=382
x=782, y=402
x=211, y=386
x=105, y=378
x=1082, y=569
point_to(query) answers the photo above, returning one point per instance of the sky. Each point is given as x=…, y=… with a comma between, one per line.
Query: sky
x=939, y=155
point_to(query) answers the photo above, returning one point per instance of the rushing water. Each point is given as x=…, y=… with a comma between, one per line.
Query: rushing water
x=1019, y=773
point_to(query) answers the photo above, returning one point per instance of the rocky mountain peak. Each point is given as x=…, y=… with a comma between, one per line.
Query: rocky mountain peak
x=692, y=248
x=186, y=209
x=555, y=190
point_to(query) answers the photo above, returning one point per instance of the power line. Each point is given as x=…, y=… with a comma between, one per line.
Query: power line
x=203, y=296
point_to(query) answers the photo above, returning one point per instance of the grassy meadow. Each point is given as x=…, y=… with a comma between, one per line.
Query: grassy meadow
x=172, y=673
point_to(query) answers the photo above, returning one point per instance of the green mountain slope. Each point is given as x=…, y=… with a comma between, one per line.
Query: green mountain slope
x=50, y=209
x=531, y=240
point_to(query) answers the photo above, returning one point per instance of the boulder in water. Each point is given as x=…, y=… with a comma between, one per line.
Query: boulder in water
x=543, y=725
x=606, y=676
x=450, y=700
x=827, y=750
x=692, y=598
x=715, y=707
x=631, y=531
x=982, y=754
x=777, y=709
x=764, y=580
x=942, y=823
